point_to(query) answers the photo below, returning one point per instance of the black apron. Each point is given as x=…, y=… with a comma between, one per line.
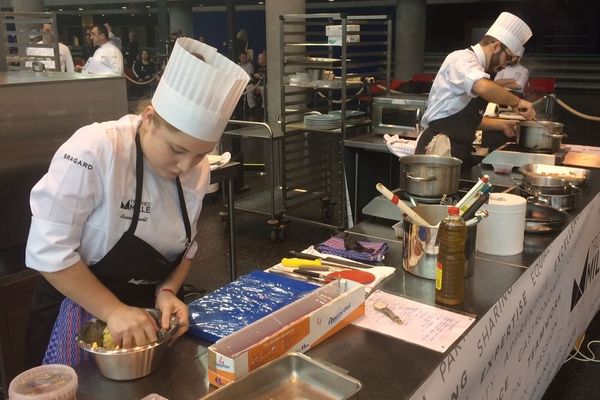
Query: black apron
x=460, y=129
x=131, y=270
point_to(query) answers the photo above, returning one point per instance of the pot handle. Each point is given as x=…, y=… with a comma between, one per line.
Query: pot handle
x=555, y=136
x=420, y=178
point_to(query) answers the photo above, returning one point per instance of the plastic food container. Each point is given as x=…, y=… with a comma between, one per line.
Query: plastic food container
x=46, y=382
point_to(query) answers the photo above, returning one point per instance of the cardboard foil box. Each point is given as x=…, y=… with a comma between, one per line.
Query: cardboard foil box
x=296, y=327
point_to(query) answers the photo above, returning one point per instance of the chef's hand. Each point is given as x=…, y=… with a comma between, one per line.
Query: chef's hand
x=525, y=109
x=509, y=127
x=78, y=68
x=169, y=304
x=128, y=324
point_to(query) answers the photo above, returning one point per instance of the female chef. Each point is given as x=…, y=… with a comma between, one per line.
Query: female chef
x=114, y=217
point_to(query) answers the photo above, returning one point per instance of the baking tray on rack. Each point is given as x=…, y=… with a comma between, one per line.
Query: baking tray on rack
x=293, y=376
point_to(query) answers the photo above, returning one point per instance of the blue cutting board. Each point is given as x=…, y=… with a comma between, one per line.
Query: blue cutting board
x=241, y=302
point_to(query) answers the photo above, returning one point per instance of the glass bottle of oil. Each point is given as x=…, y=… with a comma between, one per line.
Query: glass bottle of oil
x=450, y=271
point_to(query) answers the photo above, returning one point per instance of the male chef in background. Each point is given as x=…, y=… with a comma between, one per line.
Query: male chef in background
x=515, y=75
x=66, y=60
x=462, y=88
x=107, y=59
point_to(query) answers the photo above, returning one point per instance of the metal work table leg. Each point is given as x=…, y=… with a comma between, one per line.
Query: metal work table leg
x=232, y=255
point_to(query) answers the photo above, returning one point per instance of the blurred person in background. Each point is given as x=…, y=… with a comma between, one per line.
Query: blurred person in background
x=112, y=37
x=514, y=76
x=143, y=70
x=247, y=66
x=131, y=51
x=66, y=60
x=88, y=48
x=107, y=53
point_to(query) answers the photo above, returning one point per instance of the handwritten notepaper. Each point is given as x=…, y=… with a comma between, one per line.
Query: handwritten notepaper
x=423, y=325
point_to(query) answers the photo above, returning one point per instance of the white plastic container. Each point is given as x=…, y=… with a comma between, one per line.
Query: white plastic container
x=46, y=382
x=503, y=231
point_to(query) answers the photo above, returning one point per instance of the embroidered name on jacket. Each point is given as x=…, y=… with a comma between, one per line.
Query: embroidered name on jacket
x=79, y=162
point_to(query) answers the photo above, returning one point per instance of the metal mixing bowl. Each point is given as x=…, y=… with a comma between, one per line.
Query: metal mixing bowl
x=125, y=364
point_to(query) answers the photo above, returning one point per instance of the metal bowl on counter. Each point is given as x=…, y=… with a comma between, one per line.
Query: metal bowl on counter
x=541, y=218
x=125, y=364
x=429, y=175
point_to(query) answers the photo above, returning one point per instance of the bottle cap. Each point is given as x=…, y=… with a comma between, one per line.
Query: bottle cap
x=453, y=210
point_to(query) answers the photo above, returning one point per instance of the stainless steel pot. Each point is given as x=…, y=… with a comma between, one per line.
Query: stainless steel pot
x=540, y=135
x=429, y=175
x=420, y=246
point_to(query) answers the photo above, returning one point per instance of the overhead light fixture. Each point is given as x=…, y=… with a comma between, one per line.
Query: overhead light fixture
x=60, y=9
x=132, y=14
x=124, y=7
x=148, y=6
x=80, y=9
x=261, y=2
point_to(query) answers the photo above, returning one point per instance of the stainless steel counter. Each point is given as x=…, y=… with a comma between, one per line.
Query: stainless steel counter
x=388, y=368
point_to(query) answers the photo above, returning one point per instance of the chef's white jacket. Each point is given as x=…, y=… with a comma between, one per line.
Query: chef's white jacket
x=452, y=88
x=66, y=60
x=517, y=72
x=84, y=204
x=109, y=55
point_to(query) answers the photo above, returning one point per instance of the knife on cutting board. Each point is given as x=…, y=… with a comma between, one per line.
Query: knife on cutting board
x=334, y=262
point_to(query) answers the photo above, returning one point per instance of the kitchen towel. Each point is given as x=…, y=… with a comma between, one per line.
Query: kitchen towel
x=354, y=249
x=400, y=147
x=503, y=231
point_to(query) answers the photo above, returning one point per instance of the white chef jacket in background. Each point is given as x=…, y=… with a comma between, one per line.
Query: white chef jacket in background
x=517, y=72
x=109, y=55
x=84, y=204
x=452, y=88
x=66, y=60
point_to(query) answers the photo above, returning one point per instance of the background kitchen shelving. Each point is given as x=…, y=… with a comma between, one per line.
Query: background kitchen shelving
x=322, y=78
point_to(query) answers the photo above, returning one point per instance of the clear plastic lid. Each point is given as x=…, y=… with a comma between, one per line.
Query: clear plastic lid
x=46, y=382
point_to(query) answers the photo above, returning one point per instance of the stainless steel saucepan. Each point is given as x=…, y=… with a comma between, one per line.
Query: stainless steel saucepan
x=540, y=135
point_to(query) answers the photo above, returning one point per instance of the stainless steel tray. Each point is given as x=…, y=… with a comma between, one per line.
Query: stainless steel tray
x=293, y=376
x=576, y=176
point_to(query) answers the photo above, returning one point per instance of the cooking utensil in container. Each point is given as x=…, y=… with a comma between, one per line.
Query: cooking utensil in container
x=429, y=175
x=540, y=135
x=126, y=364
x=420, y=245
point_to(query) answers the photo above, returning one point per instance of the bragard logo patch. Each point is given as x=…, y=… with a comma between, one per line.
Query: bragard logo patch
x=79, y=162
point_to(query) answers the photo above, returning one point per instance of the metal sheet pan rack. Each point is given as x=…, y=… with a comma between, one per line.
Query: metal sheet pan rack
x=327, y=61
x=16, y=33
x=269, y=202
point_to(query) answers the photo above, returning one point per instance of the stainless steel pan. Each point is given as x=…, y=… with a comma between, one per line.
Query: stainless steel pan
x=540, y=135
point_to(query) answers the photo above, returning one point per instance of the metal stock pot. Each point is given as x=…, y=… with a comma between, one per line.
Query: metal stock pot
x=429, y=175
x=540, y=135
